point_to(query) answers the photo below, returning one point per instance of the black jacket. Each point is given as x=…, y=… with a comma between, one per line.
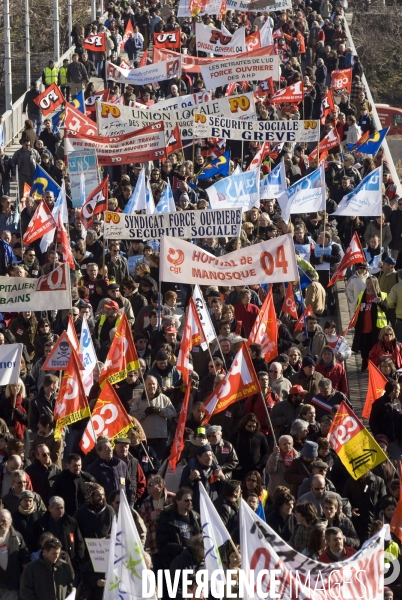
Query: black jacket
x=385, y=417
x=228, y=512
x=170, y=539
x=18, y=556
x=280, y=526
x=42, y=580
x=72, y=489
x=94, y=524
x=252, y=450
x=33, y=109
x=24, y=524
x=40, y=405
x=111, y=476
x=71, y=538
x=41, y=479
x=364, y=495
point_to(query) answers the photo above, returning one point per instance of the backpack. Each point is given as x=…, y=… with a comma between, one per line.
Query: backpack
x=295, y=45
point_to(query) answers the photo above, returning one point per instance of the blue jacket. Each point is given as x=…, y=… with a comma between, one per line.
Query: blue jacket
x=111, y=476
x=6, y=256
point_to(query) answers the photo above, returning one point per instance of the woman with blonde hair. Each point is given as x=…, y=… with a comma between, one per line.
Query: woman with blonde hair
x=387, y=346
x=13, y=409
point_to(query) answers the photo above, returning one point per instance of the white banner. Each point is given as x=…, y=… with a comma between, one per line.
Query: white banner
x=116, y=120
x=272, y=261
x=305, y=196
x=210, y=39
x=241, y=5
x=256, y=68
x=212, y=8
x=143, y=75
x=256, y=131
x=209, y=329
x=274, y=183
x=50, y=291
x=10, y=363
x=183, y=224
x=236, y=190
x=98, y=552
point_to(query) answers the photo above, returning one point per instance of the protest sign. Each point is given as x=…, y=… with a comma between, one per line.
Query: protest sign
x=279, y=5
x=145, y=144
x=143, y=75
x=10, y=363
x=98, y=551
x=240, y=68
x=118, y=120
x=17, y=295
x=209, y=8
x=184, y=224
x=257, y=131
x=75, y=120
x=341, y=82
x=272, y=261
x=210, y=39
x=82, y=162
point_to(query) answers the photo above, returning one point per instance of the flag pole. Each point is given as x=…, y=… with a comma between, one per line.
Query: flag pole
x=268, y=417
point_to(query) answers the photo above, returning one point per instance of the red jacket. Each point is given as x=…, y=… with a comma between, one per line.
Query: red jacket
x=328, y=558
x=247, y=315
x=393, y=350
x=254, y=405
x=337, y=374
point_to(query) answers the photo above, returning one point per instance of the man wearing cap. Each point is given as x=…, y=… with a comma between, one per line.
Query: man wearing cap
x=315, y=340
x=223, y=450
x=285, y=412
x=300, y=468
x=169, y=378
x=110, y=472
x=394, y=300
x=124, y=304
x=25, y=517
x=138, y=482
x=109, y=320
x=203, y=467
x=307, y=378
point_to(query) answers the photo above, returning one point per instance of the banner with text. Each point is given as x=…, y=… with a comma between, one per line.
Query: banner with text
x=210, y=39
x=118, y=120
x=144, y=75
x=145, y=144
x=240, y=69
x=257, y=131
x=272, y=261
x=184, y=224
x=208, y=8
x=279, y=5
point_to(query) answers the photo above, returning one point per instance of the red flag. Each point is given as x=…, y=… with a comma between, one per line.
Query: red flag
x=265, y=88
x=278, y=33
x=90, y=102
x=178, y=442
x=396, y=521
x=253, y=41
x=75, y=120
x=109, y=418
x=260, y=156
x=27, y=190
x=122, y=357
x=331, y=140
x=62, y=239
x=96, y=42
x=144, y=59
x=197, y=6
x=174, y=143
x=129, y=29
x=72, y=335
x=60, y=354
x=50, y=99
x=240, y=381
x=353, y=321
x=289, y=303
x=327, y=106
x=341, y=81
x=300, y=323
x=193, y=335
x=265, y=331
x=42, y=222
x=71, y=404
x=167, y=39
x=95, y=203
x=376, y=384
x=354, y=254
x=293, y=93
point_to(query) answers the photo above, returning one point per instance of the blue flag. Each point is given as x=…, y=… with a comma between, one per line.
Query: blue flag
x=166, y=201
x=79, y=102
x=42, y=182
x=372, y=144
x=137, y=198
x=304, y=280
x=366, y=199
x=274, y=183
x=219, y=166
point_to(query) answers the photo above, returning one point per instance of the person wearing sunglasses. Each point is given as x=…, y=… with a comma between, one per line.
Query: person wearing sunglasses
x=42, y=471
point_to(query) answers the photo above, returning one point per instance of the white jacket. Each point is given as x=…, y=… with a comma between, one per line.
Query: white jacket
x=354, y=286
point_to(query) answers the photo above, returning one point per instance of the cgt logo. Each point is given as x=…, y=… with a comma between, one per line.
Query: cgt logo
x=176, y=258
x=112, y=217
x=218, y=37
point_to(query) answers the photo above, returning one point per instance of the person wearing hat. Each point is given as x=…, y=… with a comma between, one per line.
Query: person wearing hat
x=196, y=439
x=95, y=517
x=24, y=518
x=50, y=74
x=109, y=471
x=153, y=410
x=285, y=412
x=142, y=319
x=387, y=279
x=223, y=450
x=314, y=342
x=307, y=378
x=124, y=304
x=202, y=467
x=300, y=468
x=169, y=378
x=108, y=321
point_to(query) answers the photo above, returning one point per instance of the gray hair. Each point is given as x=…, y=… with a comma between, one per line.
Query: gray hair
x=92, y=264
x=17, y=473
x=298, y=426
x=94, y=235
x=56, y=500
x=325, y=383
x=287, y=438
x=7, y=514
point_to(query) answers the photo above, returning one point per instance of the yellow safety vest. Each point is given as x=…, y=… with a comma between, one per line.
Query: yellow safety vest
x=381, y=316
x=51, y=75
x=63, y=76
x=101, y=322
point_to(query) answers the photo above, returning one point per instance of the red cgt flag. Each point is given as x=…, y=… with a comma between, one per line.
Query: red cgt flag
x=95, y=203
x=122, y=357
x=300, y=323
x=253, y=41
x=175, y=143
x=144, y=59
x=178, y=442
x=354, y=254
x=260, y=156
x=240, y=381
x=167, y=39
x=265, y=331
x=109, y=418
x=331, y=140
x=193, y=335
x=42, y=222
x=341, y=81
x=71, y=404
x=376, y=384
x=62, y=239
x=50, y=99
x=96, y=42
x=289, y=303
x=293, y=93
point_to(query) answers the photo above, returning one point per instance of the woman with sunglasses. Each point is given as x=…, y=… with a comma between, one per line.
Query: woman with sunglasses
x=387, y=346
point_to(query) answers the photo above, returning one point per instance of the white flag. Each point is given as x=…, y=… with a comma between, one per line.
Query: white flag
x=366, y=199
x=209, y=329
x=149, y=199
x=274, y=183
x=10, y=363
x=214, y=533
x=59, y=206
x=124, y=579
x=305, y=196
x=87, y=355
x=137, y=200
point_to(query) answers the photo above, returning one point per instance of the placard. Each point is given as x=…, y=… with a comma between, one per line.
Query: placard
x=98, y=551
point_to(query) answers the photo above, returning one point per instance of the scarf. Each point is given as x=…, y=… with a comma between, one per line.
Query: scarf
x=287, y=458
x=27, y=511
x=19, y=428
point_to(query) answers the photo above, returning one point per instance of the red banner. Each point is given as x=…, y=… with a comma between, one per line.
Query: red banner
x=354, y=254
x=96, y=42
x=129, y=29
x=376, y=385
x=76, y=121
x=253, y=41
x=293, y=93
x=327, y=106
x=50, y=99
x=331, y=140
x=167, y=39
x=142, y=145
x=265, y=330
x=122, y=356
x=341, y=82
x=174, y=143
x=95, y=203
x=178, y=442
x=193, y=335
x=42, y=222
x=90, y=102
x=300, y=323
x=62, y=239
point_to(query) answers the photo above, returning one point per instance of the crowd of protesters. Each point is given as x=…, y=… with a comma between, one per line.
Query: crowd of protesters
x=53, y=496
